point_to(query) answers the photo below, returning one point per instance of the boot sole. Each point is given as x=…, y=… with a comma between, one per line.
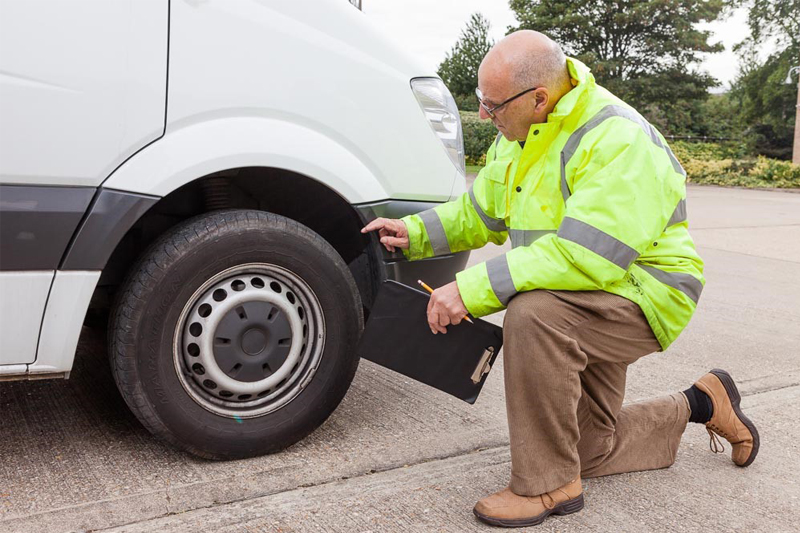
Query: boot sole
x=568, y=507
x=735, y=398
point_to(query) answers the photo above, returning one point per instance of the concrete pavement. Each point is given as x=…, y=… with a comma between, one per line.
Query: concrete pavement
x=397, y=456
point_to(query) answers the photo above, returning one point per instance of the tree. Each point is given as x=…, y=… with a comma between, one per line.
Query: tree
x=719, y=117
x=767, y=104
x=459, y=70
x=641, y=50
x=775, y=18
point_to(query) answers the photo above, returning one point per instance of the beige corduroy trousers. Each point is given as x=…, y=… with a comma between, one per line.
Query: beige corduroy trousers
x=565, y=357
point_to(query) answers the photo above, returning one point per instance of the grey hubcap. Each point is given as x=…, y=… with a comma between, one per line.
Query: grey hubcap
x=249, y=340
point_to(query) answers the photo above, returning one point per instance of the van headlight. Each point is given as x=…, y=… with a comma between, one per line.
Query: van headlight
x=440, y=109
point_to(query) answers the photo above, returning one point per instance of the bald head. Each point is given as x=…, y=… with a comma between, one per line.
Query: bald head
x=528, y=59
x=522, y=61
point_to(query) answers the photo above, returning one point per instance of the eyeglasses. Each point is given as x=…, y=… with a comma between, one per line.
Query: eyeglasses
x=490, y=110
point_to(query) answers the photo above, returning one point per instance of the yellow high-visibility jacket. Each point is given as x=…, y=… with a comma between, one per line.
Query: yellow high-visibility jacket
x=595, y=200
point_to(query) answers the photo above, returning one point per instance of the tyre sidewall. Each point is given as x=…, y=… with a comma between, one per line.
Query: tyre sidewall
x=287, y=245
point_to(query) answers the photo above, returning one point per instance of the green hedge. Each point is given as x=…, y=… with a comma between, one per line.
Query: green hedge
x=716, y=164
x=478, y=136
x=707, y=163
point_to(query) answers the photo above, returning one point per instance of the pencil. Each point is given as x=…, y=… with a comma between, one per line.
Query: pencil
x=430, y=291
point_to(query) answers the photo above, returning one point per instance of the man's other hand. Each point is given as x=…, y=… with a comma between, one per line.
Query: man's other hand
x=445, y=307
x=392, y=232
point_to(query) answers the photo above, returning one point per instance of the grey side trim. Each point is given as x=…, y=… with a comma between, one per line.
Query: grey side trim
x=435, y=271
x=686, y=283
x=607, y=112
x=391, y=209
x=376, y=264
x=110, y=217
x=500, y=279
x=494, y=224
x=679, y=215
x=37, y=222
x=597, y=241
x=436, y=234
x=524, y=237
x=368, y=212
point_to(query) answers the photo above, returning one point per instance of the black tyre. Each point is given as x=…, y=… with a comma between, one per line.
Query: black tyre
x=235, y=334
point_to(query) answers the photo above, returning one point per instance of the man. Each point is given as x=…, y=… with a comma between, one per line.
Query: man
x=602, y=272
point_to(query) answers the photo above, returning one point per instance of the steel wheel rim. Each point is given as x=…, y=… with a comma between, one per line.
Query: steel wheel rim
x=209, y=316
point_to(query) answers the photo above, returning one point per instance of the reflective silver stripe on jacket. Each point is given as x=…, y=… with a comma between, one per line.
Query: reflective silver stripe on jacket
x=436, y=234
x=686, y=283
x=679, y=215
x=494, y=224
x=523, y=237
x=500, y=279
x=597, y=241
x=607, y=112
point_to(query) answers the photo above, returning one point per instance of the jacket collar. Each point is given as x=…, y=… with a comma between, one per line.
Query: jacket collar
x=583, y=82
x=540, y=136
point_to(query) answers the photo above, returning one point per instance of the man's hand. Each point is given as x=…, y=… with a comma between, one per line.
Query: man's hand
x=445, y=308
x=393, y=233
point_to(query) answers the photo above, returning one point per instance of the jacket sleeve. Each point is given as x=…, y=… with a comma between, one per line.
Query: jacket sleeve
x=466, y=223
x=616, y=211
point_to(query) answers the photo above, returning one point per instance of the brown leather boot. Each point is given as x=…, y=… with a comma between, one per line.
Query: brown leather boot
x=728, y=421
x=507, y=509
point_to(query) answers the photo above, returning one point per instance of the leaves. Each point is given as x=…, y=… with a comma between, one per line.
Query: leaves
x=639, y=50
x=478, y=136
x=766, y=103
x=775, y=18
x=459, y=70
x=715, y=164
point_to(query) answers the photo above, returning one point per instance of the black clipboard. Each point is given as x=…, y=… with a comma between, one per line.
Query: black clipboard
x=398, y=337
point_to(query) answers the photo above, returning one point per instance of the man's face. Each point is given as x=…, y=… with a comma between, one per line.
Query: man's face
x=514, y=119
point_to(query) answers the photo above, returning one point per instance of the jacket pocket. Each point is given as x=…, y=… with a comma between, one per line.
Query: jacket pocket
x=491, y=188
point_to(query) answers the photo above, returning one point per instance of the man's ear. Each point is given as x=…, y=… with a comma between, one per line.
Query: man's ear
x=542, y=98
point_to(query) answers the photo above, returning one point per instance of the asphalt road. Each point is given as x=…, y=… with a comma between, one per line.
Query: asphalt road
x=397, y=456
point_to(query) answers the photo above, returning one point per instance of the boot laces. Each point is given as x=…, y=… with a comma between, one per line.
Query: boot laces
x=715, y=443
x=550, y=502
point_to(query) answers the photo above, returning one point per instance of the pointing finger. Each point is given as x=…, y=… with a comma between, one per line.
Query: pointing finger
x=378, y=223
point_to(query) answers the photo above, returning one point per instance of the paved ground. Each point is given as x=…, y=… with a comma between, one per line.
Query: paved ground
x=397, y=456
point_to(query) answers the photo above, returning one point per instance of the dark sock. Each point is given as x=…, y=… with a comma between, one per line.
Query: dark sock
x=700, y=404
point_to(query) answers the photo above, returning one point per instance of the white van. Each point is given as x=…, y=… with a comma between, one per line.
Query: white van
x=193, y=175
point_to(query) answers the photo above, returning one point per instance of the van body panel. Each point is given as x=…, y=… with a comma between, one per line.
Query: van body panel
x=320, y=66
x=23, y=296
x=61, y=327
x=82, y=87
x=209, y=146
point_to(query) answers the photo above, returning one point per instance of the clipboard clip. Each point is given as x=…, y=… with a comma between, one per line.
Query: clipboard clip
x=484, y=365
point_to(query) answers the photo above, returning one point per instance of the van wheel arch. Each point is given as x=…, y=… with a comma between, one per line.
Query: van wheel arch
x=282, y=192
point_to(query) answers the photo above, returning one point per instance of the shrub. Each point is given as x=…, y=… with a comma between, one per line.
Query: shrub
x=713, y=164
x=709, y=151
x=466, y=102
x=706, y=163
x=478, y=136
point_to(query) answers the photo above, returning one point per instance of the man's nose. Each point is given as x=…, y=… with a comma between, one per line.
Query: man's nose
x=482, y=114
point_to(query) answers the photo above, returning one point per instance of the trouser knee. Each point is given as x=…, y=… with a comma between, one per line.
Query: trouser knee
x=594, y=450
x=527, y=317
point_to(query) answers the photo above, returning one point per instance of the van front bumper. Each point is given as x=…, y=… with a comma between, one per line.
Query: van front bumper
x=435, y=271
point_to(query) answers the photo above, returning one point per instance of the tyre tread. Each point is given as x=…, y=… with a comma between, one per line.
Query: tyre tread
x=147, y=273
